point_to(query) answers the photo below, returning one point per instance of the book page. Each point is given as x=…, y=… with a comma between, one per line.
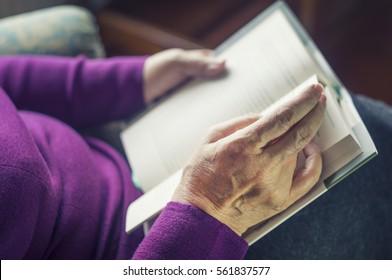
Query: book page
x=266, y=63
x=150, y=204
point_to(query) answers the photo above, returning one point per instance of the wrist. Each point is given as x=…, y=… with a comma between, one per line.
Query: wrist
x=213, y=211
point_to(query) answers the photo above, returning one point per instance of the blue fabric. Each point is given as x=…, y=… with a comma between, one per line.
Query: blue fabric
x=352, y=220
x=62, y=30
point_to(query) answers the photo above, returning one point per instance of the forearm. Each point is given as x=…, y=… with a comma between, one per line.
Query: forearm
x=78, y=91
x=185, y=232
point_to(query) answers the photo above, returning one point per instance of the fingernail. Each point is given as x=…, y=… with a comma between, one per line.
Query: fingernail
x=215, y=66
x=216, y=61
x=323, y=98
x=317, y=87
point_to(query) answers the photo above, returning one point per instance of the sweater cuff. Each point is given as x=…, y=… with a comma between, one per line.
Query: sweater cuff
x=130, y=82
x=184, y=231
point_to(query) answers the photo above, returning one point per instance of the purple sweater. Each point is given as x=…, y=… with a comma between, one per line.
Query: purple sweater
x=63, y=196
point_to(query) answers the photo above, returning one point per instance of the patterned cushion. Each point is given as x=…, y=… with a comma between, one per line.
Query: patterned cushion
x=62, y=30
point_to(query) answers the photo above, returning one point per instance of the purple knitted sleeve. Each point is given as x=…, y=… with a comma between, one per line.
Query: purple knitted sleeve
x=185, y=232
x=78, y=91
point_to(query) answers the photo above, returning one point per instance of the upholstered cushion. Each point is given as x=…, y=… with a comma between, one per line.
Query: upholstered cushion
x=62, y=30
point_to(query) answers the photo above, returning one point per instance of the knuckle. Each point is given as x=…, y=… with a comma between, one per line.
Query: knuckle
x=231, y=149
x=285, y=116
x=251, y=136
x=302, y=136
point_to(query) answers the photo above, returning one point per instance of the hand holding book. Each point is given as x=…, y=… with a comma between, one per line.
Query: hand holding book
x=268, y=60
x=246, y=171
x=167, y=69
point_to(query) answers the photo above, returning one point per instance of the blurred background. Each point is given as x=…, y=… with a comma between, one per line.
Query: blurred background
x=355, y=36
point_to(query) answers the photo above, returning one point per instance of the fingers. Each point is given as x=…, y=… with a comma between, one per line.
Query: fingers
x=201, y=63
x=307, y=176
x=280, y=118
x=226, y=128
x=167, y=69
x=297, y=138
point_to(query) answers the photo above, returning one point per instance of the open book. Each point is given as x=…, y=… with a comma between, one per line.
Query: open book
x=266, y=59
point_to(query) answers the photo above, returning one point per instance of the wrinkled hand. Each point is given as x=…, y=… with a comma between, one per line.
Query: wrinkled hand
x=167, y=69
x=245, y=170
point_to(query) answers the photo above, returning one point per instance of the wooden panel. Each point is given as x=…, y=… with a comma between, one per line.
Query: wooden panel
x=354, y=35
x=124, y=35
x=185, y=17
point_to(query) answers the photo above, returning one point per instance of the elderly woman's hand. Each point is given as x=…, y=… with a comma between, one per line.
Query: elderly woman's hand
x=167, y=69
x=245, y=170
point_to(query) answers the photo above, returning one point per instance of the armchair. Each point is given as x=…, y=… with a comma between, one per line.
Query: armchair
x=62, y=30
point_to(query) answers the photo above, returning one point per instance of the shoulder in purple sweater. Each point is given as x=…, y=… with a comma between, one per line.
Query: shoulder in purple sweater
x=63, y=196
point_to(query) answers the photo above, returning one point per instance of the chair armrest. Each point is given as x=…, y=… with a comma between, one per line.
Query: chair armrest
x=125, y=35
x=62, y=30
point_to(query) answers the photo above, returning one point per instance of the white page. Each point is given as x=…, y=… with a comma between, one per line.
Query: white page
x=265, y=64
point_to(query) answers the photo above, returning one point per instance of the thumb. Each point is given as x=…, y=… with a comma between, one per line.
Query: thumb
x=309, y=174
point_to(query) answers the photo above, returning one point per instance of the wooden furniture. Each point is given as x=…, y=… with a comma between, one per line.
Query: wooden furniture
x=354, y=35
x=152, y=25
